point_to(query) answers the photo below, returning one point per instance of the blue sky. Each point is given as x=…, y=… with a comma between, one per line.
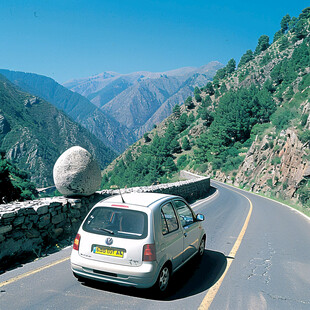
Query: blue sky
x=67, y=39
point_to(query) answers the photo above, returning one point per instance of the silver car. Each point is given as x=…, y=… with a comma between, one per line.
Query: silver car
x=137, y=239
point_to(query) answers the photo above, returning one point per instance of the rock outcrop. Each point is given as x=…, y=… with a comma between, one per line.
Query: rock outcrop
x=279, y=163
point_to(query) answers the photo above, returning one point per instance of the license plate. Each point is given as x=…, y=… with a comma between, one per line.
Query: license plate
x=104, y=250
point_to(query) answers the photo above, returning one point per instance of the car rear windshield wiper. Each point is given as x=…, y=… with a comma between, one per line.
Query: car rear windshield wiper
x=111, y=232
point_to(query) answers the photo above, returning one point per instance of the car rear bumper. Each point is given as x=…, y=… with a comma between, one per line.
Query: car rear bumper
x=143, y=276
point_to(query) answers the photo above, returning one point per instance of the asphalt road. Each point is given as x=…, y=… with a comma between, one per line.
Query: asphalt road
x=260, y=264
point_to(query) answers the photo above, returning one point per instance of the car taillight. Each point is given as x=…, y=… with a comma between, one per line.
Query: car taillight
x=149, y=253
x=76, y=243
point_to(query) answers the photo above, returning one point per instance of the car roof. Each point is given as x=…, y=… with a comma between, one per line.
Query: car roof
x=138, y=199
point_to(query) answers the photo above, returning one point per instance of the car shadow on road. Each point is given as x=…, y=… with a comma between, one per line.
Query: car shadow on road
x=197, y=276
x=193, y=278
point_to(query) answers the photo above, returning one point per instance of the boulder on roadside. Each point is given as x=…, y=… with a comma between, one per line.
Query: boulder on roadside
x=76, y=173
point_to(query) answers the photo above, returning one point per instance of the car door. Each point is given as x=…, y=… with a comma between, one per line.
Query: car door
x=190, y=229
x=172, y=235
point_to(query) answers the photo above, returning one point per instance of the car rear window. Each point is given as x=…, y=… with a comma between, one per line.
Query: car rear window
x=117, y=222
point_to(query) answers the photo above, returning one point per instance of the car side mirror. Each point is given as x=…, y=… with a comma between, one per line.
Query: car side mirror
x=200, y=217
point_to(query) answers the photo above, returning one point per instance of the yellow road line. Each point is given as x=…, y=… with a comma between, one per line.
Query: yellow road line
x=214, y=289
x=27, y=274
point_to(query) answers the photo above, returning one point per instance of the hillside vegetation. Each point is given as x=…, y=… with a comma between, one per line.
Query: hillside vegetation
x=14, y=183
x=249, y=126
x=103, y=126
x=33, y=133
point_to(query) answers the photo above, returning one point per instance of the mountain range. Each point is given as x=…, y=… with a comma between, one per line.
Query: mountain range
x=34, y=133
x=140, y=100
x=80, y=109
x=39, y=118
x=117, y=108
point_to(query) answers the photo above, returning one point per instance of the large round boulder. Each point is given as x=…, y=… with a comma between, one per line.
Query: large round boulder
x=76, y=173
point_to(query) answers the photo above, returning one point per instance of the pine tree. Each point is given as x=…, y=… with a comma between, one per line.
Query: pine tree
x=146, y=138
x=189, y=103
x=263, y=44
x=231, y=66
x=277, y=35
x=246, y=58
x=185, y=144
x=285, y=22
x=176, y=111
x=209, y=89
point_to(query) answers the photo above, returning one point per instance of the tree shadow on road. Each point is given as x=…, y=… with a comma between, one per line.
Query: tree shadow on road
x=193, y=278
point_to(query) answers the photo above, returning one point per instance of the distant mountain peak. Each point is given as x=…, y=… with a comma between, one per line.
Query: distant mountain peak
x=135, y=98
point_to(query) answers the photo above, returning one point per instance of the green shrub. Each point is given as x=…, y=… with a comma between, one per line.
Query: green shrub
x=185, y=144
x=198, y=97
x=247, y=143
x=259, y=129
x=14, y=183
x=270, y=144
x=290, y=93
x=189, y=103
x=304, y=119
x=182, y=162
x=265, y=60
x=276, y=161
x=243, y=75
x=146, y=138
x=304, y=83
x=304, y=193
x=202, y=168
x=304, y=137
x=282, y=117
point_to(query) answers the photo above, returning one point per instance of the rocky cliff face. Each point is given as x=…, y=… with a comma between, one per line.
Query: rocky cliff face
x=279, y=164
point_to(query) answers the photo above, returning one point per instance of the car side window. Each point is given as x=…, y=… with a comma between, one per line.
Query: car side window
x=184, y=213
x=169, y=221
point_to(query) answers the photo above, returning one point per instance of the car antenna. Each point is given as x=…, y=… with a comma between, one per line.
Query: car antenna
x=117, y=187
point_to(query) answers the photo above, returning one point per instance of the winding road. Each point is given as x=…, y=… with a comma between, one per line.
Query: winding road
x=257, y=257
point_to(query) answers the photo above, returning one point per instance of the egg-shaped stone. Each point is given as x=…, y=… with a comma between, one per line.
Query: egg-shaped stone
x=76, y=173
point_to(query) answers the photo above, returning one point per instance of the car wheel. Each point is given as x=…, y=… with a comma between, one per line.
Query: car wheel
x=202, y=245
x=75, y=275
x=79, y=278
x=163, y=280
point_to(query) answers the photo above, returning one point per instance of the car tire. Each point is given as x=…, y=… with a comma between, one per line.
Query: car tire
x=201, y=248
x=163, y=280
x=79, y=278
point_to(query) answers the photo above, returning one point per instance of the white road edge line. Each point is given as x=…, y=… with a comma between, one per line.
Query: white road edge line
x=281, y=203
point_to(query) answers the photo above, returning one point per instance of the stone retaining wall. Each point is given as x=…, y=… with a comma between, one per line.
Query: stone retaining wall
x=29, y=227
